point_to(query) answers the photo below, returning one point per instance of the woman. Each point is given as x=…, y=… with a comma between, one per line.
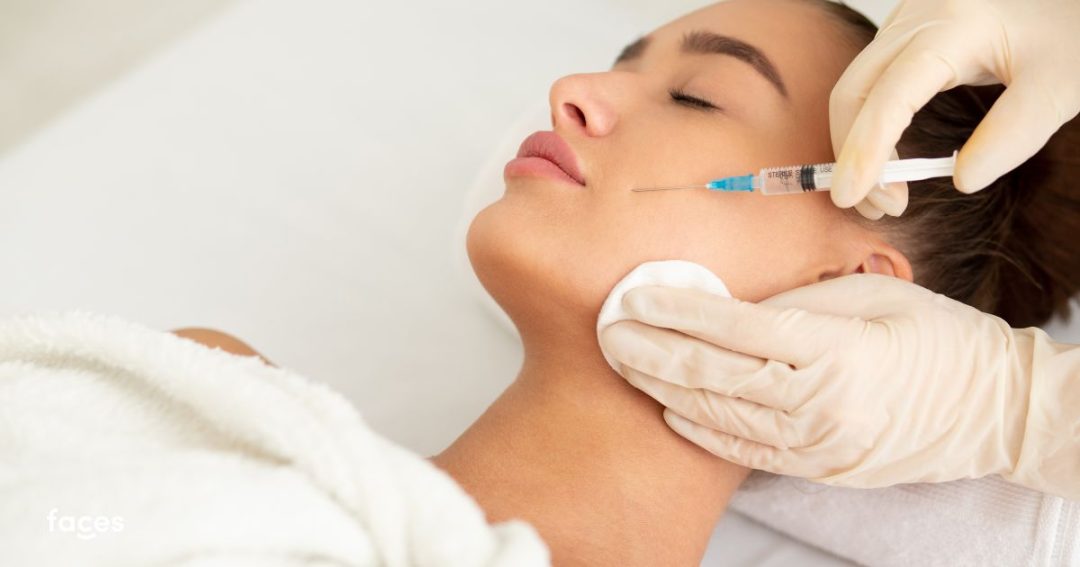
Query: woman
x=570, y=447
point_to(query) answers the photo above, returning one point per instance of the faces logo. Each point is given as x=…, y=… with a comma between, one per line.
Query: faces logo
x=84, y=527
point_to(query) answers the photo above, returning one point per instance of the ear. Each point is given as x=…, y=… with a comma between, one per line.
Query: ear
x=882, y=258
x=871, y=256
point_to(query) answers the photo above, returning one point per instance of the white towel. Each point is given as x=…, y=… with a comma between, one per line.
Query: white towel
x=122, y=445
x=984, y=521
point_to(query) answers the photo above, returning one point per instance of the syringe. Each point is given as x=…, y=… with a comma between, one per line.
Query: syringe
x=795, y=179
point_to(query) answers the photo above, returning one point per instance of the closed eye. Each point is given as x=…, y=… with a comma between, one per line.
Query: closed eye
x=691, y=101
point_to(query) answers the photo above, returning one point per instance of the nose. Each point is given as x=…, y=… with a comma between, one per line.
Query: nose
x=584, y=104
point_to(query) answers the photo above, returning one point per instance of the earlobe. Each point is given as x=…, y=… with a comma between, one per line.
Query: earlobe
x=887, y=261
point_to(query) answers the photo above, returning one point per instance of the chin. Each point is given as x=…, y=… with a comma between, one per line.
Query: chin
x=528, y=268
x=497, y=254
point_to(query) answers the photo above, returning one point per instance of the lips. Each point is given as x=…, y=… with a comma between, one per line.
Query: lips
x=551, y=147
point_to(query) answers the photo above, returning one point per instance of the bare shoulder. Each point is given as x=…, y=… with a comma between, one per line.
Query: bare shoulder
x=219, y=339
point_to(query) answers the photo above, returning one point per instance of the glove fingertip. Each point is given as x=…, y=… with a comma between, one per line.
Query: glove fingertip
x=843, y=192
x=681, y=425
x=970, y=179
x=709, y=440
x=868, y=210
x=636, y=302
x=890, y=198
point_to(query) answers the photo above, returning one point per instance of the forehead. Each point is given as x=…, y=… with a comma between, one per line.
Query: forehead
x=800, y=39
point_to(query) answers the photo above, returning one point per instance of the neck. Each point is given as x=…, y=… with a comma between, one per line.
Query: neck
x=587, y=459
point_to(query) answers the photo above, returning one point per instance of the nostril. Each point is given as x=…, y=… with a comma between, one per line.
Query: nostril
x=574, y=113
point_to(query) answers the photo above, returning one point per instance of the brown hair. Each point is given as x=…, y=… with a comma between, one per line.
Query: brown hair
x=1011, y=249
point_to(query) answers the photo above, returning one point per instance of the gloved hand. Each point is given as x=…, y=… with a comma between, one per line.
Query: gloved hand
x=861, y=381
x=928, y=46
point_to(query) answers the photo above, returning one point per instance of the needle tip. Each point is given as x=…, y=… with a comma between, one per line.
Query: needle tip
x=668, y=188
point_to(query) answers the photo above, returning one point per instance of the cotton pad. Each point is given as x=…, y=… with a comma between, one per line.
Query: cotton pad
x=671, y=273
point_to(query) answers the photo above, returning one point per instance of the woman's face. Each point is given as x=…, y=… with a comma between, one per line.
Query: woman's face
x=768, y=67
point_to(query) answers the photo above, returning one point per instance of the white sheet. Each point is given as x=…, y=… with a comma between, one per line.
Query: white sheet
x=292, y=173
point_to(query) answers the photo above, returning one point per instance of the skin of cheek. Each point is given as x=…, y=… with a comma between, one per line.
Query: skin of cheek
x=571, y=245
x=758, y=245
x=571, y=249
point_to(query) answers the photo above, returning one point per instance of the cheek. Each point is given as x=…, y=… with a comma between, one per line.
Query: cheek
x=777, y=243
x=571, y=250
x=529, y=250
x=675, y=148
x=759, y=246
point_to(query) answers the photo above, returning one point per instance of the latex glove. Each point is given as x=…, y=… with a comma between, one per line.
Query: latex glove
x=928, y=46
x=861, y=381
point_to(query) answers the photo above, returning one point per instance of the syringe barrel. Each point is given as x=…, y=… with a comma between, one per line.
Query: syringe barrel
x=796, y=179
x=818, y=177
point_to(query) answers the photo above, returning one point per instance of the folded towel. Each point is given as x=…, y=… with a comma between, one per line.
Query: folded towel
x=985, y=521
x=122, y=445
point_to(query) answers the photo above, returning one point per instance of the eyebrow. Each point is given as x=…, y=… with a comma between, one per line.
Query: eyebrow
x=709, y=43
